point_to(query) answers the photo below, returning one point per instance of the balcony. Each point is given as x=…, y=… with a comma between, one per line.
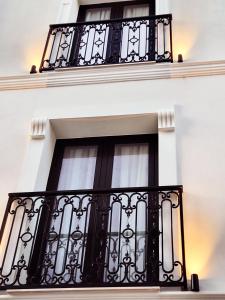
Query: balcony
x=89, y=238
x=108, y=42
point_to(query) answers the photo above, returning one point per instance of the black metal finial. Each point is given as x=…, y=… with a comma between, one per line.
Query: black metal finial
x=194, y=283
x=180, y=58
x=33, y=70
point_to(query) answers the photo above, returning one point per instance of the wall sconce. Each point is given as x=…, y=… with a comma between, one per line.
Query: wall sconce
x=33, y=70
x=180, y=58
x=194, y=283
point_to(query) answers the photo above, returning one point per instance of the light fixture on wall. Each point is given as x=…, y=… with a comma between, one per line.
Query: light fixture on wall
x=33, y=70
x=180, y=58
x=194, y=283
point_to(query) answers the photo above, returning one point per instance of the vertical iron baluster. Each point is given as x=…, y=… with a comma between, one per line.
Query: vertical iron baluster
x=36, y=264
x=105, y=43
x=17, y=241
x=152, y=37
x=171, y=38
x=164, y=40
x=182, y=239
x=93, y=45
x=58, y=59
x=69, y=48
x=41, y=68
x=6, y=215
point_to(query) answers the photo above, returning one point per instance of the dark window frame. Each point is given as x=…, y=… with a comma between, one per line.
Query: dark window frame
x=104, y=168
x=116, y=8
x=105, y=144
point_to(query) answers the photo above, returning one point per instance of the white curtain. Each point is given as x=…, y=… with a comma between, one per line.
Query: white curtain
x=94, y=40
x=130, y=166
x=133, y=11
x=78, y=168
x=97, y=14
x=135, y=40
x=127, y=225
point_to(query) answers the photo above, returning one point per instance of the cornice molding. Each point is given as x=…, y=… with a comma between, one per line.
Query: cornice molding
x=108, y=293
x=112, y=73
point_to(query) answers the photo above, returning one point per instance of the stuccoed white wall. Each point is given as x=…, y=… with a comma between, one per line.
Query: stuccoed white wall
x=198, y=29
x=200, y=124
x=24, y=29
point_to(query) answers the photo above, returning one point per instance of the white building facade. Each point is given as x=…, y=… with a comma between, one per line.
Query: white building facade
x=94, y=105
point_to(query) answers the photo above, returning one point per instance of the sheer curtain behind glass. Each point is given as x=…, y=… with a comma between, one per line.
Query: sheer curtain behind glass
x=128, y=218
x=78, y=168
x=94, y=39
x=135, y=33
x=70, y=220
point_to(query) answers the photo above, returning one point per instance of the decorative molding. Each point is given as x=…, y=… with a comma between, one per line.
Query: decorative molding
x=108, y=293
x=38, y=128
x=166, y=120
x=112, y=73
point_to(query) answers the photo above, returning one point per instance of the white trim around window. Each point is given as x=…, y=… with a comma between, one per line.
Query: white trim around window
x=45, y=131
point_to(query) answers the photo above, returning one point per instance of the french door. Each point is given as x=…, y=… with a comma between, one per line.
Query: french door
x=97, y=238
x=105, y=38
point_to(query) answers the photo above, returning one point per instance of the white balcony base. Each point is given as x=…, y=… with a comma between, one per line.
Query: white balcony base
x=128, y=293
x=112, y=73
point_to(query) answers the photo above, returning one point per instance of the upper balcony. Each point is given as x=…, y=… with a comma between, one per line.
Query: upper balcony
x=115, y=41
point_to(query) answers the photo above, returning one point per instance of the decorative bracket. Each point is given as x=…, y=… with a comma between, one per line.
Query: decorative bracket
x=166, y=120
x=38, y=128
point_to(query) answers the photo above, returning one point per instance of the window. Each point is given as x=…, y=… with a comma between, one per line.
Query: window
x=118, y=10
x=111, y=33
x=114, y=41
x=102, y=231
x=102, y=222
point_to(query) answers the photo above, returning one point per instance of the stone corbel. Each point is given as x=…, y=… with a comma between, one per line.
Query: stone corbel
x=38, y=128
x=166, y=120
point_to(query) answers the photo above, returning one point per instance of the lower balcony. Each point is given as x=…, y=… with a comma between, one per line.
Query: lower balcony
x=108, y=42
x=94, y=238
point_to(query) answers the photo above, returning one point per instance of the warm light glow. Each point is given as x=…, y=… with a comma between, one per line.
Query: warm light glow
x=200, y=245
x=184, y=40
x=33, y=57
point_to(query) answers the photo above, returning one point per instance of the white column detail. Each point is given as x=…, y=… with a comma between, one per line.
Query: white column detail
x=167, y=148
x=68, y=10
x=163, y=7
x=38, y=128
x=38, y=157
x=166, y=120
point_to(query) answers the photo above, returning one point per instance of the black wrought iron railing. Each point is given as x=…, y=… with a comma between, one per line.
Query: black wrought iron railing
x=108, y=42
x=116, y=237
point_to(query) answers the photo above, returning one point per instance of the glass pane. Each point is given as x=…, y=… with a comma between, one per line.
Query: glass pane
x=133, y=11
x=97, y=14
x=125, y=258
x=78, y=168
x=130, y=165
x=135, y=34
x=67, y=237
x=94, y=37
